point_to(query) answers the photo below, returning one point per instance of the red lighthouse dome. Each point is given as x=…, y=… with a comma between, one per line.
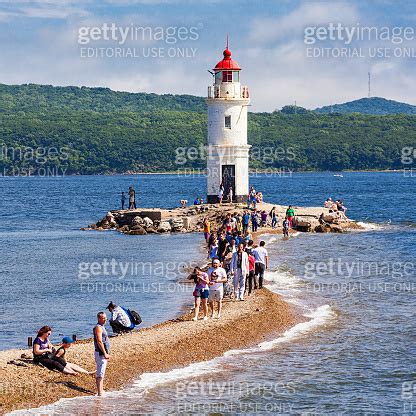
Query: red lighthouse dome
x=227, y=62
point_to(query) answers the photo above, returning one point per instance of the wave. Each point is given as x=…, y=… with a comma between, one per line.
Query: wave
x=371, y=226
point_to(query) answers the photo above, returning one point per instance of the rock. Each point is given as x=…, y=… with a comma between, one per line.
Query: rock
x=176, y=224
x=156, y=224
x=151, y=230
x=137, y=221
x=136, y=227
x=336, y=229
x=330, y=218
x=124, y=229
x=147, y=222
x=321, y=228
x=138, y=231
x=164, y=227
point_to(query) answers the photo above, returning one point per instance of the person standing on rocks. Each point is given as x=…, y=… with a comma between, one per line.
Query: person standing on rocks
x=207, y=229
x=123, y=200
x=254, y=221
x=230, y=194
x=239, y=268
x=262, y=262
x=102, y=351
x=132, y=198
x=290, y=213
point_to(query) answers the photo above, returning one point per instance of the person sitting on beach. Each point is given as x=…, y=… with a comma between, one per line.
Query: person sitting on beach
x=43, y=351
x=217, y=278
x=239, y=268
x=201, y=292
x=120, y=321
x=59, y=356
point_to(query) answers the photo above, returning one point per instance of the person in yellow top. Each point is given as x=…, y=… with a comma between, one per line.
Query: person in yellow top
x=207, y=229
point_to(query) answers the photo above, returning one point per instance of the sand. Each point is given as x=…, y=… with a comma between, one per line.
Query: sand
x=172, y=344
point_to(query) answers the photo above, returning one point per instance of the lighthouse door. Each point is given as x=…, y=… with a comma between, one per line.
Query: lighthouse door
x=228, y=179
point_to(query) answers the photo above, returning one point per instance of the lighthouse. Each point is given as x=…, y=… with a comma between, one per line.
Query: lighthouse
x=228, y=151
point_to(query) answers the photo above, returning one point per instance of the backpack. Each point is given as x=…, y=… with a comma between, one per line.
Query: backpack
x=136, y=318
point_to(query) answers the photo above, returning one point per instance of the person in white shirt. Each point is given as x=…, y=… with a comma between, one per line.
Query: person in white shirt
x=120, y=321
x=217, y=277
x=262, y=262
x=239, y=268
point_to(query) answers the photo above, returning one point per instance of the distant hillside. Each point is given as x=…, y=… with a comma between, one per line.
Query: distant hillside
x=374, y=105
x=33, y=97
x=97, y=131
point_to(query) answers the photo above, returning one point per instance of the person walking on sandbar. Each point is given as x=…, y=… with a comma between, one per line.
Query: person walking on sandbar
x=239, y=268
x=102, y=351
x=132, y=198
x=262, y=262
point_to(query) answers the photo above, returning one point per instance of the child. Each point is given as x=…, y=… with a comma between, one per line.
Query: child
x=69, y=368
x=286, y=225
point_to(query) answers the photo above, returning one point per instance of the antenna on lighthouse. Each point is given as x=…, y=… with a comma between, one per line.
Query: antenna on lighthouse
x=369, y=85
x=226, y=41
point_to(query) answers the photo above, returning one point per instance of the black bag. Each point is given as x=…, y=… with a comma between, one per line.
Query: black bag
x=136, y=317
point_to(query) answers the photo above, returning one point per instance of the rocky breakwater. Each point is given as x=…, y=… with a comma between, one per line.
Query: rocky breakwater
x=190, y=219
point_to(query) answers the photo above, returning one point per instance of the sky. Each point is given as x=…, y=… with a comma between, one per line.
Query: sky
x=290, y=51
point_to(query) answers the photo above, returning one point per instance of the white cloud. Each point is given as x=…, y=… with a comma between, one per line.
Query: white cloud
x=272, y=29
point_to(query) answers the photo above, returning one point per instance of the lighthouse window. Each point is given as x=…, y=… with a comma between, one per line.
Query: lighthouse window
x=236, y=76
x=227, y=76
x=227, y=122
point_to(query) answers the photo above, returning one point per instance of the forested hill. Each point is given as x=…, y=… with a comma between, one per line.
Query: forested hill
x=102, y=131
x=374, y=105
x=33, y=97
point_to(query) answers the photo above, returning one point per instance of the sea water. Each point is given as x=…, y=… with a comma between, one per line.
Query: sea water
x=354, y=352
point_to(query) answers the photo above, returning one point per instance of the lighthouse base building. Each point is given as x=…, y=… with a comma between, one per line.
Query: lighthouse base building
x=228, y=151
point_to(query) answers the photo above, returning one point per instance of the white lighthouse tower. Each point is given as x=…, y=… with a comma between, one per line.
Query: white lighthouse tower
x=227, y=132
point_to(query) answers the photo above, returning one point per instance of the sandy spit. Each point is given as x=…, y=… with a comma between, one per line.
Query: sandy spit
x=162, y=347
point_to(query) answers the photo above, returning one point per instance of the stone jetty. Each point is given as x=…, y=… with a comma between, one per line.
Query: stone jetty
x=190, y=219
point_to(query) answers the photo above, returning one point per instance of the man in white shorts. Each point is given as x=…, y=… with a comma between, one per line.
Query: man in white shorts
x=217, y=276
x=102, y=351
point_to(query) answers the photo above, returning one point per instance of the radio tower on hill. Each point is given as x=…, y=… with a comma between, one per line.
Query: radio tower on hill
x=369, y=85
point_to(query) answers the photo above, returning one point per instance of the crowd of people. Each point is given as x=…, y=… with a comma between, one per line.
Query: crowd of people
x=235, y=271
x=44, y=353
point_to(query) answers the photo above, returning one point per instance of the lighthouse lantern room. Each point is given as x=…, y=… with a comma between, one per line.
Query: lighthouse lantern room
x=228, y=151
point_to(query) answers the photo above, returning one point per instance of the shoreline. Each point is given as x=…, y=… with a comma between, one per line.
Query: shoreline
x=162, y=347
